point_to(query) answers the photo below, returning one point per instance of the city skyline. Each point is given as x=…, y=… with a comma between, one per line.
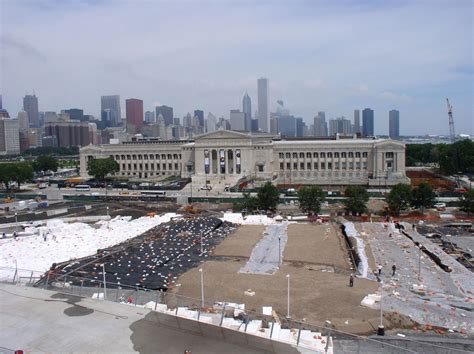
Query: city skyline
x=409, y=69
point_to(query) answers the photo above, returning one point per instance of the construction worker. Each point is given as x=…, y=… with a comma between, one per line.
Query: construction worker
x=351, y=280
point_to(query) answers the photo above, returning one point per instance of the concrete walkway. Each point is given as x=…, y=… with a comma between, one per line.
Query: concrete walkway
x=37, y=320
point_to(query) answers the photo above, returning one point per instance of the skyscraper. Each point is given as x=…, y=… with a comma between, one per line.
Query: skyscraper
x=23, y=120
x=111, y=103
x=394, y=124
x=320, y=125
x=262, y=93
x=75, y=114
x=368, y=122
x=200, y=114
x=339, y=126
x=30, y=105
x=166, y=112
x=356, y=121
x=134, y=114
x=9, y=136
x=211, y=122
x=247, y=109
x=150, y=117
x=237, y=120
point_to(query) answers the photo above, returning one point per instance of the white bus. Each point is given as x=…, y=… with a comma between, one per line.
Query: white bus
x=83, y=188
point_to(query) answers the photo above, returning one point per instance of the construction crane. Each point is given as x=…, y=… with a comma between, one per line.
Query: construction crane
x=452, y=134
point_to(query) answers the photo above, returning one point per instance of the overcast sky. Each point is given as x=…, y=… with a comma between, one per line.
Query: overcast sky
x=332, y=56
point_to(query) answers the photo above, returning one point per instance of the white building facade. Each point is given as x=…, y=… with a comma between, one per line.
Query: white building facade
x=227, y=157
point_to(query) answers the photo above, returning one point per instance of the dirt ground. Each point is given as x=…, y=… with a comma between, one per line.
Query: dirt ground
x=241, y=242
x=316, y=244
x=314, y=295
x=317, y=293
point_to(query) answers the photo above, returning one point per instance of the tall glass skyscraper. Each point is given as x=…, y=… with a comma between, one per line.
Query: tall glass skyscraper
x=263, y=114
x=368, y=122
x=30, y=106
x=114, y=114
x=247, y=109
x=394, y=124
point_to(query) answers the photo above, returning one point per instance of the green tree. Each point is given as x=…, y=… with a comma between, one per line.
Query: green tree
x=423, y=196
x=399, y=198
x=100, y=168
x=45, y=163
x=7, y=174
x=268, y=197
x=23, y=171
x=466, y=202
x=249, y=203
x=356, y=199
x=310, y=199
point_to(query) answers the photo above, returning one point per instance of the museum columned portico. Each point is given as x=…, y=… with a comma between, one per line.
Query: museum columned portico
x=224, y=157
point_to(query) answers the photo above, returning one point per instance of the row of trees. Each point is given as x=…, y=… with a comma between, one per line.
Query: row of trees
x=451, y=158
x=401, y=197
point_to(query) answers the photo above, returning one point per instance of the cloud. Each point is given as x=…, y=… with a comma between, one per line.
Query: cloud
x=318, y=55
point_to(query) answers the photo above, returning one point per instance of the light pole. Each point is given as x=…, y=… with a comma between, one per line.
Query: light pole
x=381, y=329
x=202, y=287
x=419, y=261
x=191, y=184
x=288, y=304
x=201, y=244
x=105, y=285
x=107, y=210
x=16, y=222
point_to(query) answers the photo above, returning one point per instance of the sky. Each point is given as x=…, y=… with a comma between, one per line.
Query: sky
x=332, y=56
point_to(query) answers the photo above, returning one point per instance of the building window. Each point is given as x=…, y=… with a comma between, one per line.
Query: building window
x=351, y=165
x=351, y=154
x=139, y=157
x=288, y=166
x=389, y=155
x=128, y=157
x=146, y=167
x=140, y=166
x=169, y=156
x=323, y=155
x=281, y=165
x=176, y=167
x=316, y=166
x=179, y=156
x=163, y=156
x=343, y=165
x=117, y=157
x=323, y=166
x=134, y=166
x=152, y=166
x=158, y=166
x=308, y=155
x=343, y=155
x=308, y=165
x=175, y=156
x=315, y=155
x=134, y=157
x=329, y=165
x=295, y=165
x=281, y=155
x=170, y=166
x=364, y=154
x=330, y=155
x=164, y=167
x=123, y=166
x=357, y=165
x=301, y=165
x=145, y=157
x=288, y=155
x=129, y=166
x=336, y=155
x=157, y=156
x=301, y=155
x=295, y=155
x=152, y=157
x=336, y=165
x=357, y=154
x=260, y=168
x=364, y=165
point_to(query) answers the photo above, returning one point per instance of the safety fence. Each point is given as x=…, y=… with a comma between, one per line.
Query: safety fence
x=229, y=321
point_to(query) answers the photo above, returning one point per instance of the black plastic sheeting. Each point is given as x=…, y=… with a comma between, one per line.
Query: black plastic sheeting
x=152, y=260
x=352, y=243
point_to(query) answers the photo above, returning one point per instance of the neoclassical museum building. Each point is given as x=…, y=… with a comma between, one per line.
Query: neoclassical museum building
x=226, y=156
